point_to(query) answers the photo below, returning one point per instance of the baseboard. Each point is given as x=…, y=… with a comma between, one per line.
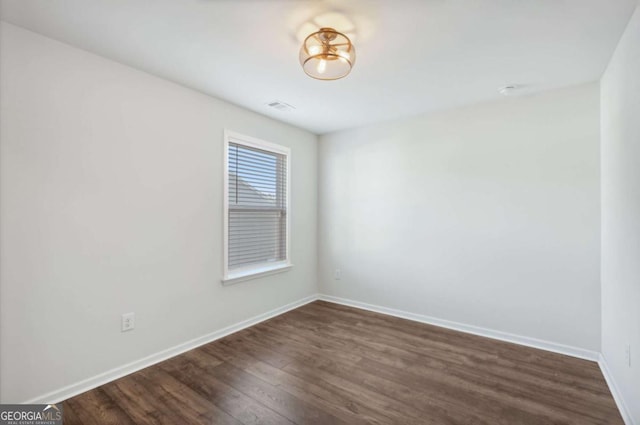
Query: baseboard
x=475, y=330
x=615, y=392
x=502, y=336
x=119, y=372
x=113, y=374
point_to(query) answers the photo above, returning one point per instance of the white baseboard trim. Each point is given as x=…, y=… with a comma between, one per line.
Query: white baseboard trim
x=615, y=392
x=502, y=336
x=113, y=374
x=121, y=371
x=475, y=330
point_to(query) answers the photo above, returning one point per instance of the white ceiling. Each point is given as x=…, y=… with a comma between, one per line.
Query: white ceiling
x=414, y=56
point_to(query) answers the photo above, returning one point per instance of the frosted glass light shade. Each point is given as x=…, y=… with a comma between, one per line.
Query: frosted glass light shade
x=327, y=55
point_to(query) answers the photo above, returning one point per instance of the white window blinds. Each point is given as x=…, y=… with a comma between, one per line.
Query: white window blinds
x=257, y=206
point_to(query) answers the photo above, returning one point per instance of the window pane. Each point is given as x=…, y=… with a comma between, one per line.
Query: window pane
x=257, y=206
x=256, y=237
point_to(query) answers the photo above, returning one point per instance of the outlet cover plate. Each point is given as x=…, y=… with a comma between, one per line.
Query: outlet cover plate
x=128, y=322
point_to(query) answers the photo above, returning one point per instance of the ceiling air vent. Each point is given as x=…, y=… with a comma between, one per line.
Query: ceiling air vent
x=281, y=106
x=510, y=90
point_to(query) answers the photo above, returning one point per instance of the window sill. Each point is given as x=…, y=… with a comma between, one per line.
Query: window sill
x=255, y=273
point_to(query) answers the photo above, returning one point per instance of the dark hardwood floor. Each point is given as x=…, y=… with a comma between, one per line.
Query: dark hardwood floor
x=325, y=363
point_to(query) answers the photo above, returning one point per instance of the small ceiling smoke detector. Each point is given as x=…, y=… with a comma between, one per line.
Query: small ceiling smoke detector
x=509, y=90
x=281, y=106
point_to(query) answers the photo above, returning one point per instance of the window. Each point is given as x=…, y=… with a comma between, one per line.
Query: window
x=256, y=233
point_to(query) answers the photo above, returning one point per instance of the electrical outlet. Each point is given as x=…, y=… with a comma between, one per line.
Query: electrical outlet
x=627, y=353
x=337, y=275
x=128, y=321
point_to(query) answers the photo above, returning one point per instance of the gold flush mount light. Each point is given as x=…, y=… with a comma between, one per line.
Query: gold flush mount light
x=327, y=55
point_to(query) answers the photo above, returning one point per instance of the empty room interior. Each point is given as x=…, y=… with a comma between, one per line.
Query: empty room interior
x=320, y=212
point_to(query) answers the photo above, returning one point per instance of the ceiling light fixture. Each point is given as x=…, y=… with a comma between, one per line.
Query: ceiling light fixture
x=327, y=55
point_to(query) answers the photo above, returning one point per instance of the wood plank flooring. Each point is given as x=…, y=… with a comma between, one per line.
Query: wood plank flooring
x=325, y=363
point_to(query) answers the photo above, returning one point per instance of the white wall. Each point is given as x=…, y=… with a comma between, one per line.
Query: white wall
x=487, y=215
x=620, y=112
x=111, y=202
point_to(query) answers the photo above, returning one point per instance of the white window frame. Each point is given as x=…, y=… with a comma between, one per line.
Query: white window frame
x=253, y=271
